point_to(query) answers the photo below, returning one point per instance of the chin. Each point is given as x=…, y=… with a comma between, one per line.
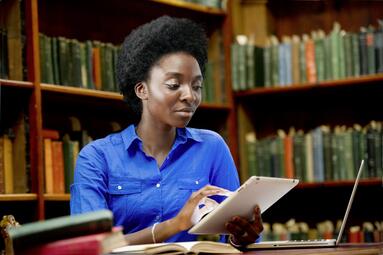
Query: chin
x=181, y=124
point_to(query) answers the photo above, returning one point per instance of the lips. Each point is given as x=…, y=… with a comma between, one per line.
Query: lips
x=186, y=110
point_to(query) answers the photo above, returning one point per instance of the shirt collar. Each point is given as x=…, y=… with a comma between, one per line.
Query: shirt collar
x=130, y=137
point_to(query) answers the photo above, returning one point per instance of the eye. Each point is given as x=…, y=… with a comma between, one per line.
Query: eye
x=172, y=86
x=197, y=87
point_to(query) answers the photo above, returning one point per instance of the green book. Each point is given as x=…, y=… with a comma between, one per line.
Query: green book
x=3, y=54
x=302, y=59
x=327, y=153
x=259, y=67
x=76, y=63
x=342, y=62
x=335, y=51
x=242, y=69
x=55, y=61
x=64, y=63
x=109, y=67
x=320, y=55
x=43, y=71
x=355, y=55
x=327, y=58
x=347, y=45
x=267, y=64
x=274, y=61
x=48, y=64
x=371, y=67
x=234, y=67
x=50, y=230
x=89, y=64
x=250, y=66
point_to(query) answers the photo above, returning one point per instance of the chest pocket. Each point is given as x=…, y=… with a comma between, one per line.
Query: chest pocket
x=192, y=184
x=125, y=198
x=187, y=186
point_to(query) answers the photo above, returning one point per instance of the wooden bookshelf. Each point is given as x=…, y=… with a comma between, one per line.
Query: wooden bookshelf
x=263, y=111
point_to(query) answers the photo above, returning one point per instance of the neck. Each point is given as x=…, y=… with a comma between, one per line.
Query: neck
x=157, y=140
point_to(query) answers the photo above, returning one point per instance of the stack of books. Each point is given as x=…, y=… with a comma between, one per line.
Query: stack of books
x=89, y=233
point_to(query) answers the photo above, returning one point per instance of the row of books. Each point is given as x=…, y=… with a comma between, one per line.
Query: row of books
x=307, y=59
x=60, y=155
x=92, y=65
x=12, y=41
x=291, y=230
x=318, y=155
x=89, y=64
x=14, y=158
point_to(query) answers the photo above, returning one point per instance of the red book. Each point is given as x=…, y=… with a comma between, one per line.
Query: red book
x=51, y=133
x=94, y=244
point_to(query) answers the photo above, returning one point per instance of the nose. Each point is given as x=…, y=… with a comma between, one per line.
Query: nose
x=187, y=94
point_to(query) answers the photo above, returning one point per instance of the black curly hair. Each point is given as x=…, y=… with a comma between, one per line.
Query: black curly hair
x=145, y=45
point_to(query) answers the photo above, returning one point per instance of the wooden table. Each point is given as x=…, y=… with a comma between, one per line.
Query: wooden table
x=342, y=249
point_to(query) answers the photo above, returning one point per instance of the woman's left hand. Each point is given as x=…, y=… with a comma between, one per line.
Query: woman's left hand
x=244, y=231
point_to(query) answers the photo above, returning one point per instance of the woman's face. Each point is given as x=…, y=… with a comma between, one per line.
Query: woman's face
x=174, y=89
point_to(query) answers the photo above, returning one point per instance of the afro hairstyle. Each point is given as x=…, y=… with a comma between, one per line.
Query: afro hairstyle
x=145, y=45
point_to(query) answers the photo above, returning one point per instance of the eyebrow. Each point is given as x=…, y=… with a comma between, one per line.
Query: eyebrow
x=179, y=75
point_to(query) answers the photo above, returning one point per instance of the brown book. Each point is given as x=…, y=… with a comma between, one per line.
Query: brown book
x=2, y=178
x=8, y=165
x=48, y=166
x=20, y=178
x=58, y=167
x=13, y=23
x=97, y=68
x=288, y=147
x=295, y=59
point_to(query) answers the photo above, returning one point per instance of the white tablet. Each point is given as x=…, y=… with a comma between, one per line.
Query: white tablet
x=257, y=190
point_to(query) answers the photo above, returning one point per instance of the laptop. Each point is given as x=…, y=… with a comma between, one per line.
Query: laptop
x=312, y=243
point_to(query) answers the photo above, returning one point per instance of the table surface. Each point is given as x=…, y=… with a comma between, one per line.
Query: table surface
x=349, y=249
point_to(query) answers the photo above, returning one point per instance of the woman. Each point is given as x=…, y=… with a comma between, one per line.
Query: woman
x=153, y=174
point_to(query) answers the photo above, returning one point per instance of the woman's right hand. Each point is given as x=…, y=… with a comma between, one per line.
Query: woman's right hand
x=183, y=218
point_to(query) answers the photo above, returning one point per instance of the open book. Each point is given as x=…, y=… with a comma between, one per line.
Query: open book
x=178, y=248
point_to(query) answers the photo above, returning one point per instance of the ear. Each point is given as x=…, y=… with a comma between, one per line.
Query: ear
x=141, y=90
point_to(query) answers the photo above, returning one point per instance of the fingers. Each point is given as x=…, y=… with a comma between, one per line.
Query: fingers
x=208, y=190
x=245, y=231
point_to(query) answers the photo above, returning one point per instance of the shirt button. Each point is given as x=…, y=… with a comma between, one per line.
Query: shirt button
x=158, y=185
x=119, y=187
x=196, y=182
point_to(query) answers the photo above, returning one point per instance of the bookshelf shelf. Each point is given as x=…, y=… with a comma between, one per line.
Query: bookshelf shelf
x=192, y=6
x=16, y=84
x=56, y=197
x=374, y=80
x=346, y=183
x=80, y=92
x=18, y=197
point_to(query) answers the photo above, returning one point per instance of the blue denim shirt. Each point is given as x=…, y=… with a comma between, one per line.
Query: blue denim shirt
x=115, y=173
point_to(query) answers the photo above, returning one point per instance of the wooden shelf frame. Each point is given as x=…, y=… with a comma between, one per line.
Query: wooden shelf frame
x=193, y=7
x=18, y=197
x=304, y=87
x=16, y=84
